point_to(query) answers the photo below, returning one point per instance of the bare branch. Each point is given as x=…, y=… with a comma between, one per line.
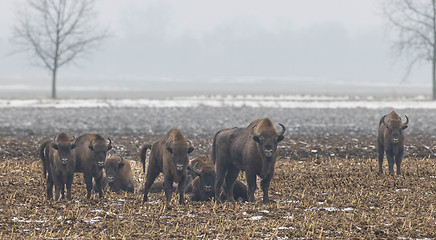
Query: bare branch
x=57, y=31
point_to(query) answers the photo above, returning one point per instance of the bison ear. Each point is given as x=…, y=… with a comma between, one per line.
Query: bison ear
x=55, y=146
x=120, y=165
x=91, y=147
x=256, y=138
x=280, y=138
x=169, y=149
x=190, y=149
x=73, y=146
x=404, y=127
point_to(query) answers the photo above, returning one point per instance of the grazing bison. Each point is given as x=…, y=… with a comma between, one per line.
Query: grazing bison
x=391, y=140
x=118, y=175
x=58, y=160
x=202, y=187
x=251, y=149
x=91, y=152
x=169, y=155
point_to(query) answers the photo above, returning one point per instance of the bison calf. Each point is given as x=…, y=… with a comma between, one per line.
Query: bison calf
x=202, y=187
x=59, y=160
x=251, y=149
x=91, y=152
x=118, y=175
x=169, y=155
x=391, y=140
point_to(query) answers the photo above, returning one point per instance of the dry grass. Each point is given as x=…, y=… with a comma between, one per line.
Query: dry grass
x=339, y=198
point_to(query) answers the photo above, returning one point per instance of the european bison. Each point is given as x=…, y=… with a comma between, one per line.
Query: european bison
x=391, y=140
x=202, y=187
x=251, y=149
x=58, y=159
x=118, y=175
x=169, y=155
x=91, y=152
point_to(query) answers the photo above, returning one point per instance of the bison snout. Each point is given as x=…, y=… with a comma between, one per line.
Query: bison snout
x=269, y=153
x=207, y=188
x=179, y=167
x=395, y=140
x=100, y=164
x=110, y=179
x=64, y=161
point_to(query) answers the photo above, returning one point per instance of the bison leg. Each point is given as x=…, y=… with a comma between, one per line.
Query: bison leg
x=168, y=186
x=381, y=152
x=265, y=187
x=88, y=182
x=58, y=187
x=69, y=183
x=152, y=174
x=232, y=174
x=181, y=190
x=398, y=159
x=49, y=187
x=251, y=182
x=390, y=157
x=98, y=183
x=220, y=174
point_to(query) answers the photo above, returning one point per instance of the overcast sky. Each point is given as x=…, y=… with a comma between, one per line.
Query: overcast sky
x=335, y=40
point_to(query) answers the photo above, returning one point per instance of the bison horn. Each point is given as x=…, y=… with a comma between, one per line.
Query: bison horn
x=252, y=131
x=91, y=146
x=384, y=123
x=195, y=169
x=109, y=146
x=168, y=145
x=407, y=122
x=283, y=130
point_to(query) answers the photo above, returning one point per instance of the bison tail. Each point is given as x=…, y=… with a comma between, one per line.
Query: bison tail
x=43, y=157
x=214, y=147
x=143, y=155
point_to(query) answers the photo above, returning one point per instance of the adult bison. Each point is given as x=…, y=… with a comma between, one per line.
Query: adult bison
x=391, y=140
x=59, y=160
x=118, y=175
x=169, y=155
x=91, y=152
x=251, y=149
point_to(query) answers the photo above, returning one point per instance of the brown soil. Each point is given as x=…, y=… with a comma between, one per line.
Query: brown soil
x=325, y=187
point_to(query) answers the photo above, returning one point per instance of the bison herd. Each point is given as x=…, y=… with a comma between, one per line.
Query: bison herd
x=252, y=150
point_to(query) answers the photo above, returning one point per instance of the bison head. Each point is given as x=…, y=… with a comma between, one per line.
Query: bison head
x=395, y=128
x=112, y=168
x=99, y=148
x=268, y=139
x=207, y=176
x=179, y=152
x=63, y=145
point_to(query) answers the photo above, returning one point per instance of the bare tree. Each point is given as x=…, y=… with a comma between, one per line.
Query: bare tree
x=413, y=26
x=57, y=32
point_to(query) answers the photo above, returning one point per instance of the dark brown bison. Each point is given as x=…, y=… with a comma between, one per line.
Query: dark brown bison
x=91, y=152
x=118, y=175
x=202, y=187
x=58, y=160
x=251, y=149
x=169, y=155
x=391, y=140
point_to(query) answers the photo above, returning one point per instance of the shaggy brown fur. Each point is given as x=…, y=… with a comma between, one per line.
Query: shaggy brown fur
x=391, y=140
x=251, y=149
x=59, y=160
x=169, y=155
x=91, y=152
x=118, y=175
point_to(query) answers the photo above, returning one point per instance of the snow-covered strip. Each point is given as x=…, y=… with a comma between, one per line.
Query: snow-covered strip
x=224, y=101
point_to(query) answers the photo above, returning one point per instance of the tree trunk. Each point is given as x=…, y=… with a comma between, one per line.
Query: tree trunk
x=53, y=84
x=434, y=51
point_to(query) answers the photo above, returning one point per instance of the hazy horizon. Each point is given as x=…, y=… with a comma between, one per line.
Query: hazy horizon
x=317, y=47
